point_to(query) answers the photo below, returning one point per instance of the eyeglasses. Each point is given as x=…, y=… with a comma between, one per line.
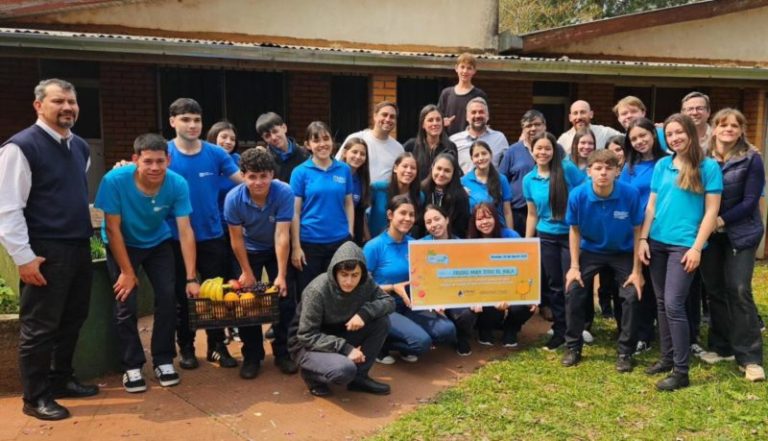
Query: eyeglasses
x=695, y=109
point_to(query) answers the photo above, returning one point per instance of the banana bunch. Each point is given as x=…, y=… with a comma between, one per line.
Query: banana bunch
x=213, y=289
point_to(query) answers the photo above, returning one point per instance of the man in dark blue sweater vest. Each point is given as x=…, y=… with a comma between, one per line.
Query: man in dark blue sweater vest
x=45, y=226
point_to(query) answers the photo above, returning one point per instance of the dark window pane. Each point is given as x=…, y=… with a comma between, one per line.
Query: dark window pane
x=668, y=100
x=551, y=88
x=89, y=122
x=349, y=105
x=69, y=69
x=412, y=95
x=556, y=116
x=204, y=86
x=249, y=94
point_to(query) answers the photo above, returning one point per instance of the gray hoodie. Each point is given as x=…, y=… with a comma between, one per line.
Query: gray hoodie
x=324, y=308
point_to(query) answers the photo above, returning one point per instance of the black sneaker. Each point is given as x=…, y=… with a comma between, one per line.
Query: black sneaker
x=167, y=375
x=659, y=367
x=368, y=385
x=463, y=347
x=485, y=337
x=250, y=369
x=286, y=365
x=133, y=381
x=187, y=359
x=509, y=339
x=624, y=363
x=220, y=353
x=554, y=342
x=316, y=388
x=571, y=357
x=674, y=381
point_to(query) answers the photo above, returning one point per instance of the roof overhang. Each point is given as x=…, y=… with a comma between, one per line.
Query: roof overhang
x=158, y=50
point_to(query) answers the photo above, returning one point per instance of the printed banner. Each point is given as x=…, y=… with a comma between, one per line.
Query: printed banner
x=460, y=273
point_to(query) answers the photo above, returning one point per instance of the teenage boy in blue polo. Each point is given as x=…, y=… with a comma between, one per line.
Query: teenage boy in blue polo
x=200, y=164
x=137, y=199
x=605, y=217
x=259, y=213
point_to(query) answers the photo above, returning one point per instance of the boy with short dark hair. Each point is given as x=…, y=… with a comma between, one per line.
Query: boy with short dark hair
x=286, y=153
x=453, y=100
x=605, y=218
x=340, y=326
x=137, y=199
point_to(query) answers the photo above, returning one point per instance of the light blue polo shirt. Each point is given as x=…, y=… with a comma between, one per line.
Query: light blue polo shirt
x=679, y=212
x=478, y=192
x=202, y=172
x=143, y=218
x=606, y=224
x=259, y=222
x=323, y=219
x=386, y=259
x=536, y=191
x=640, y=178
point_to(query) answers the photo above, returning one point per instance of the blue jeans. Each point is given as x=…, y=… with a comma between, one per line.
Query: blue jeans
x=671, y=284
x=414, y=332
x=727, y=276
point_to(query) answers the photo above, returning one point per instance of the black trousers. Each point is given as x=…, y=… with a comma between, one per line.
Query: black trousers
x=318, y=256
x=578, y=297
x=158, y=263
x=51, y=316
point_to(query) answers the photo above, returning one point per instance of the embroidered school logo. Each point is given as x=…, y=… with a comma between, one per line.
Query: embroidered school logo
x=205, y=174
x=159, y=208
x=340, y=179
x=621, y=215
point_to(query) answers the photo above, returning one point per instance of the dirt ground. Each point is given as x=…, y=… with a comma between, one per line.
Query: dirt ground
x=212, y=403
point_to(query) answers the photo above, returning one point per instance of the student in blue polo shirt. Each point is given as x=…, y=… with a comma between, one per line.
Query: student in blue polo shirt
x=643, y=150
x=259, y=214
x=324, y=211
x=403, y=181
x=605, y=217
x=485, y=184
x=137, y=199
x=546, y=190
x=412, y=333
x=680, y=215
x=201, y=164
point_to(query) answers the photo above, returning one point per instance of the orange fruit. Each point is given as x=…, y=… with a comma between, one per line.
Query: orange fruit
x=248, y=303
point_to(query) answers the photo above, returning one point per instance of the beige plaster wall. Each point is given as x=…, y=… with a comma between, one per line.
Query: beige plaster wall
x=441, y=23
x=740, y=36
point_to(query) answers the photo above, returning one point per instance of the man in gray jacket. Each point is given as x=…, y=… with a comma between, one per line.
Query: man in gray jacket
x=340, y=326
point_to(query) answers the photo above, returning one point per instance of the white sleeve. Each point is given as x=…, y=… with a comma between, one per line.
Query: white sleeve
x=15, y=185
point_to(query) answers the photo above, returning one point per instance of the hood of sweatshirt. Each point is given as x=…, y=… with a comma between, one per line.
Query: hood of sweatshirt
x=347, y=251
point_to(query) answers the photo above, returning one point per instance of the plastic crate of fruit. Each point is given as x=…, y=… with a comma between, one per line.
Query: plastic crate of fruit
x=221, y=305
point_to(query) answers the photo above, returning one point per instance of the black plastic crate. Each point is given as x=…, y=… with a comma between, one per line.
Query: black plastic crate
x=207, y=313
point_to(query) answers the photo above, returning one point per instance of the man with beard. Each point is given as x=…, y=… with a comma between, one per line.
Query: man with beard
x=478, y=130
x=45, y=225
x=580, y=117
x=382, y=149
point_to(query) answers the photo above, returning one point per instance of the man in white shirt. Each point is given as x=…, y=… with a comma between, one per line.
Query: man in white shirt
x=696, y=106
x=581, y=116
x=382, y=149
x=478, y=130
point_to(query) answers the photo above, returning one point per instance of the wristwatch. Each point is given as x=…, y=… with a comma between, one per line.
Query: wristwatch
x=193, y=280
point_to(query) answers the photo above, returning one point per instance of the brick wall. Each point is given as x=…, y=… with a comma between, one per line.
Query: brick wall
x=601, y=99
x=309, y=99
x=507, y=101
x=128, y=107
x=383, y=88
x=19, y=78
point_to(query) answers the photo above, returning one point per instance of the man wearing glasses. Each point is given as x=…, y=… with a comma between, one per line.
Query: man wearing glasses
x=696, y=106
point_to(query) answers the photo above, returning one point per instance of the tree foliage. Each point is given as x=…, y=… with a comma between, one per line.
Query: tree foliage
x=523, y=16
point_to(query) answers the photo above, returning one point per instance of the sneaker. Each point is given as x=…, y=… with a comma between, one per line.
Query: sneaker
x=713, y=357
x=250, y=369
x=753, y=372
x=554, y=343
x=133, y=381
x=386, y=359
x=236, y=335
x=551, y=332
x=642, y=346
x=659, y=367
x=485, y=337
x=674, y=381
x=316, y=388
x=286, y=365
x=463, y=348
x=167, y=375
x=697, y=350
x=510, y=340
x=624, y=363
x=188, y=359
x=571, y=357
x=410, y=358
x=587, y=337
x=761, y=322
x=220, y=353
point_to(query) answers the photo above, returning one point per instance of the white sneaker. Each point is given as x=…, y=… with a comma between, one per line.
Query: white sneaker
x=587, y=337
x=697, y=350
x=133, y=381
x=409, y=358
x=551, y=332
x=714, y=357
x=753, y=372
x=641, y=347
x=387, y=359
x=167, y=375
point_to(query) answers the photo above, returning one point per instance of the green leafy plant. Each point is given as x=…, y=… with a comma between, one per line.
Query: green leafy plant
x=97, y=248
x=9, y=301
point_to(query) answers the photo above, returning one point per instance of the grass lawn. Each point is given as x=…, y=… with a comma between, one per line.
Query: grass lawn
x=529, y=396
x=8, y=270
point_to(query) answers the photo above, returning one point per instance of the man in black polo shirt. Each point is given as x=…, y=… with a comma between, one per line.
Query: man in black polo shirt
x=45, y=225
